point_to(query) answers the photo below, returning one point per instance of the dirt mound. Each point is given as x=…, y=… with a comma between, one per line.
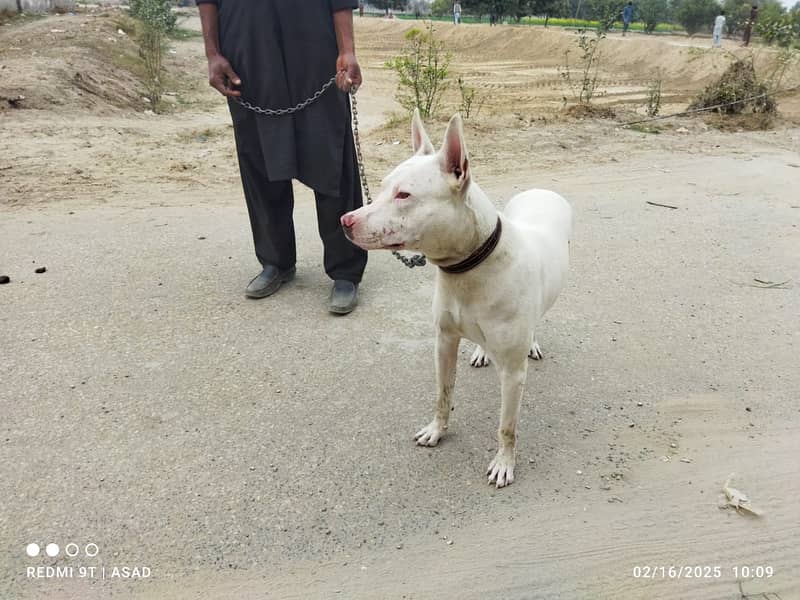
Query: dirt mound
x=515, y=68
x=71, y=62
x=590, y=111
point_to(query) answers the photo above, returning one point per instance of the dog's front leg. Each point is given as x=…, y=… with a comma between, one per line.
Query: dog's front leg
x=512, y=385
x=446, y=354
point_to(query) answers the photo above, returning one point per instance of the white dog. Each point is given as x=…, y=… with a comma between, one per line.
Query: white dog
x=498, y=273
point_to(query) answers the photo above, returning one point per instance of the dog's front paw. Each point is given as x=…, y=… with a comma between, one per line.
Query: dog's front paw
x=501, y=469
x=430, y=434
x=479, y=358
x=535, y=351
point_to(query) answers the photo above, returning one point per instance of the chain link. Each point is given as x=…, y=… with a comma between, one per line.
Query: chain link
x=417, y=260
x=279, y=112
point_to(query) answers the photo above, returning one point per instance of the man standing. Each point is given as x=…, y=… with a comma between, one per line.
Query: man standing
x=627, y=17
x=748, y=26
x=457, y=13
x=275, y=55
x=719, y=25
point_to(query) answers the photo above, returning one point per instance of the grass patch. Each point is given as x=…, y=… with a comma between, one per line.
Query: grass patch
x=13, y=18
x=538, y=21
x=642, y=128
x=179, y=34
x=202, y=135
x=584, y=24
x=584, y=110
x=752, y=121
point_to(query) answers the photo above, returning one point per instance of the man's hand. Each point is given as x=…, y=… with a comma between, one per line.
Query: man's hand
x=348, y=72
x=222, y=77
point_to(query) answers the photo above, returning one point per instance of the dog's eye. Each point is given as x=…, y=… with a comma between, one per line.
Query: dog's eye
x=402, y=195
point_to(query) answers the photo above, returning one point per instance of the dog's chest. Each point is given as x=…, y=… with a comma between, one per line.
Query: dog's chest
x=464, y=325
x=461, y=312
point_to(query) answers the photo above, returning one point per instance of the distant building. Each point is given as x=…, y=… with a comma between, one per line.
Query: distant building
x=37, y=5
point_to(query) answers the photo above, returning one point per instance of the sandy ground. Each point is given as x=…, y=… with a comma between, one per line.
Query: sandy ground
x=249, y=450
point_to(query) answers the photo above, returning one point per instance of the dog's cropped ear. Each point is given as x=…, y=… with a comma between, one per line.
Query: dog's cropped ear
x=454, y=153
x=420, y=141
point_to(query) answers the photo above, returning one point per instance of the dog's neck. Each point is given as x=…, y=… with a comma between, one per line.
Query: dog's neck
x=478, y=224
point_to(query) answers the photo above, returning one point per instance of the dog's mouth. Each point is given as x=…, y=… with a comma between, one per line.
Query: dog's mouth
x=399, y=246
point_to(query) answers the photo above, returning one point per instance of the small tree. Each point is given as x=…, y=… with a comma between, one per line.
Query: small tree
x=606, y=12
x=736, y=14
x=423, y=68
x=585, y=89
x=782, y=30
x=156, y=19
x=696, y=15
x=440, y=8
x=653, y=12
x=471, y=103
x=155, y=12
x=654, y=98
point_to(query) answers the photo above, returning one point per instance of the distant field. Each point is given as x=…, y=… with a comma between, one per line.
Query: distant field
x=569, y=23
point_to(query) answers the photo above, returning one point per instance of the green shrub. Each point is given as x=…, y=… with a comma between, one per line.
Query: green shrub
x=737, y=89
x=696, y=15
x=158, y=13
x=652, y=12
x=654, y=98
x=155, y=19
x=585, y=89
x=471, y=102
x=423, y=68
x=783, y=30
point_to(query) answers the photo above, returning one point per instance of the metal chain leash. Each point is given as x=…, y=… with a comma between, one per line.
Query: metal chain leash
x=417, y=260
x=279, y=112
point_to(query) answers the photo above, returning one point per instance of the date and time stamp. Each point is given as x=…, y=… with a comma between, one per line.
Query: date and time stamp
x=738, y=572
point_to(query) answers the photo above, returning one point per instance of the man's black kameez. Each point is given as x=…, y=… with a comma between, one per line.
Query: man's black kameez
x=284, y=51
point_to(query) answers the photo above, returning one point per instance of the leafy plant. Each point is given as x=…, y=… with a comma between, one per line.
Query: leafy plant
x=782, y=30
x=737, y=89
x=696, y=15
x=652, y=12
x=155, y=19
x=606, y=12
x=469, y=100
x=156, y=12
x=586, y=88
x=423, y=69
x=654, y=98
x=737, y=12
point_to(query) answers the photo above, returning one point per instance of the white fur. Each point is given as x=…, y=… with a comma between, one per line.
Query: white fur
x=497, y=305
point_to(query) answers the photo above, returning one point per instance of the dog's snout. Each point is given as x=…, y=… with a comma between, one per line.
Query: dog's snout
x=348, y=220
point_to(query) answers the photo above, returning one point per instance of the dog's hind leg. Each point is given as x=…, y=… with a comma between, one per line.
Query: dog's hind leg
x=479, y=358
x=446, y=358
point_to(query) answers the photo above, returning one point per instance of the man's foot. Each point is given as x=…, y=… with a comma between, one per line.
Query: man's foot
x=268, y=282
x=344, y=297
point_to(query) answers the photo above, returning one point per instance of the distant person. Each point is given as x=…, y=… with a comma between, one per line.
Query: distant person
x=748, y=26
x=360, y=9
x=457, y=13
x=719, y=25
x=627, y=17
